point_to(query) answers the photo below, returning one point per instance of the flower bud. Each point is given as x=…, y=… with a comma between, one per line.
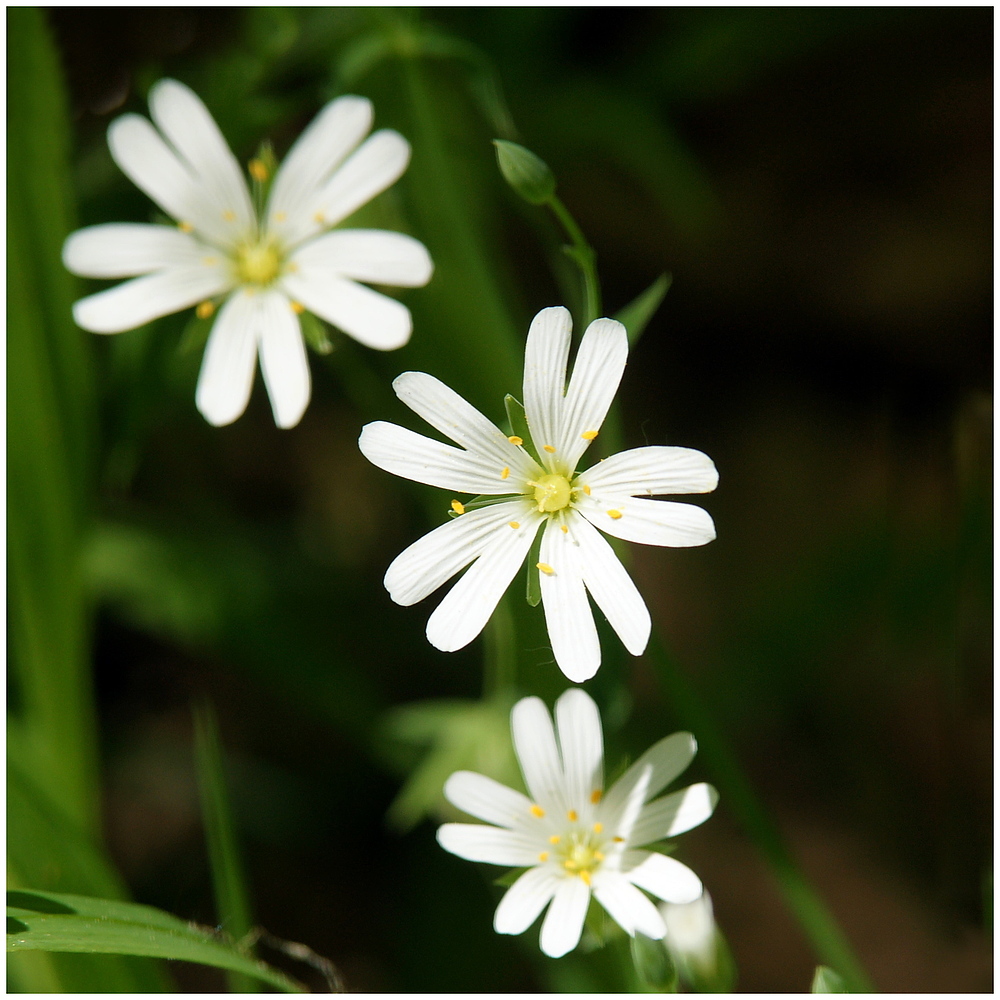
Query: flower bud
x=525, y=172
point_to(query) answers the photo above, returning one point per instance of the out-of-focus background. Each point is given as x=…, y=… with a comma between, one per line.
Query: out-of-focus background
x=818, y=182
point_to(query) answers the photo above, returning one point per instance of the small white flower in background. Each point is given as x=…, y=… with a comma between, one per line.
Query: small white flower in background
x=259, y=272
x=575, y=838
x=691, y=933
x=539, y=490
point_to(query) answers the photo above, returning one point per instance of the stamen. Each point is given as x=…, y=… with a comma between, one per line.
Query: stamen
x=614, y=514
x=229, y=215
x=185, y=227
x=257, y=170
x=598, y=856
x=505, y=473
x=572, y=816
x=515, y=440
x=555, y=838
x=619, y=840
x=457, y=507
x=589, y=435
x=545, y=568
x=538, y=811
x=514, y=525
x=564, y=529
x=595, y=796
x=544, y=856
x=586, y=489
x=319, y=218
x=204, y=310
x=598, y=827
x=549, y=449
x=585, y=875
x=298, y=307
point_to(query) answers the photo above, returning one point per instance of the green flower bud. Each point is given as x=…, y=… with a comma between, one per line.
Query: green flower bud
x=525, y=172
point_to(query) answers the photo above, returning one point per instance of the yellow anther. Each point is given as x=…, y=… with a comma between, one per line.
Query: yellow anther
x=595, y=796
x=585, y=875
x=319, y=218
x=229, y=215
x=586, y=489
x=204, y=310
x=549, y=449
x=564, y=529
x=258, y=171
x=619, y=840
x=544, y=856
x=505, y=473
x=598, y=827
x=614, y=514
x=280, y=216
x=598, y=856
x=545, y=568
x=515, y=440
x=298, y=307
x=185, y=227
x=572, y=816
x=589, y=435
x=538, y=811
x=514, y=524
x=210, y=261
x=457, y=507
x=555, y=838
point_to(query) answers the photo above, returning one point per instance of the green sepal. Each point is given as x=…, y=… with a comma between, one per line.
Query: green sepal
x=506, y=880
x=316, y=334
x=261, y=188
x=195, y=335
x=534, y=591
x=637, y=314
x=518, y=421
x=827, y=981
x=526, y=172
x=653, y=965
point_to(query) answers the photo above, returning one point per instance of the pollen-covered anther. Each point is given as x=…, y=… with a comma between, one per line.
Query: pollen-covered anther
x=515, y=440
x=545, y=568
x=537, y=810
x=598, y=856
x=514, y=524
x=319, y=218
x=619, y=840
x=595, y=796
x=458, y=508
x=298, y=307
x=555, y=838
x=598, y=828
x=505, y=472
x=586, y=489
x=544, y=856
x=204, y=310
x=614, y=514
x=589, y=435
x=258, y=171
x=564, y=528
x=185, y=227
x=549, y=449
x=585, y=875
x=572, y=815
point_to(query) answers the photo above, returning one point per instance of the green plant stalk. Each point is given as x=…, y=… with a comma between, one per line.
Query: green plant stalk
x=583, y=253
x=231, y=899
x=828, y=940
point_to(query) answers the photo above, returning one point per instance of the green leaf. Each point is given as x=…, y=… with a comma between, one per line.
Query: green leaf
x=827, y=981
x=228, y=881
x=46, y=921
x=637, y=314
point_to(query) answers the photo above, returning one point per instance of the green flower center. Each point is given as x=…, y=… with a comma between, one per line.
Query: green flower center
x=552, y=492
x=257, y=263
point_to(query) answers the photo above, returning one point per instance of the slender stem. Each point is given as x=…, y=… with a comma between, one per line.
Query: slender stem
x=500, y=659
x=583, y=253
x=820, y=926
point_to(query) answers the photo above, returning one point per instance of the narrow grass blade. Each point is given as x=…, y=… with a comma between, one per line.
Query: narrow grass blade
x=636, y=315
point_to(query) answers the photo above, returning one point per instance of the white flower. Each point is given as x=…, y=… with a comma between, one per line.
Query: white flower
x=263, y=271
x=691, y=934
x=546, y=489
x=576, y=839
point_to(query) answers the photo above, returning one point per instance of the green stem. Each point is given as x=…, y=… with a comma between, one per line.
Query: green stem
x=500, y=659
x=583, y=253
x=828, y=940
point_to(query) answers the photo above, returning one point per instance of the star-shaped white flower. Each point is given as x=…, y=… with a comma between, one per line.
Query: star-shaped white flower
x=547, y=493
x=259, y=271
x=575, y=839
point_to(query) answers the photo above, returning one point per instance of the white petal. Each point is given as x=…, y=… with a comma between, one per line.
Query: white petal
x=649, y=522
x=283, y=361
x=140, y=300
x=674, y=814
x=568, y=618
x=631, y=806
x=377, y=163
x=432, y=560
x=537, y=753
x=628, y=907
x=185, y=121
x=124, y=249
x=486, y=799
x=662, y=876
x=581, y=743
x=445, y=410
x=333, y=133
x=467, y=607
x=373, y=255
x=227, y=368
x=612, y=588
x=410, y=455
x=545, y=355
x=652, y=471
x=563, y=923
x=369, y=317
x=475, y=842
x=525, y=899
x=597, y=373
x=667, y=758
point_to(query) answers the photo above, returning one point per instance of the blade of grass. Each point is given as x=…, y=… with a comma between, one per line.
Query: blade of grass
x=820, y=927
x=231, y=899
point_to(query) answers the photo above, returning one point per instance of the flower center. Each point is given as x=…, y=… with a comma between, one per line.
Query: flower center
x=257, y=263
x=582, y=855
x=552, y=492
